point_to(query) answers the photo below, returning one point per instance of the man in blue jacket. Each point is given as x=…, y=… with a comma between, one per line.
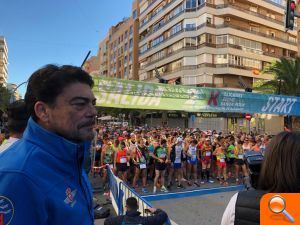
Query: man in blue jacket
x=41, y=176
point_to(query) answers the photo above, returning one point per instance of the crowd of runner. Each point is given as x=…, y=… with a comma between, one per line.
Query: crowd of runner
x=175, y=157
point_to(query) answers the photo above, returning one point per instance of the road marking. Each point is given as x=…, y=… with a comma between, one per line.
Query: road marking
x=198, y=192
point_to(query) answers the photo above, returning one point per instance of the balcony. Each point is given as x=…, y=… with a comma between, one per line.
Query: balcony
x=154, y=15
x=256, y=33
x=279, y=22
x=249, y=12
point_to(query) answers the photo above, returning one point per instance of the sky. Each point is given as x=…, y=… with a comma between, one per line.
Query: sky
x=39, y=32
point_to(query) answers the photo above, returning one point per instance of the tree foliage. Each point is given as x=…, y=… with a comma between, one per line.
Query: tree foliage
x=286, y=77
x=4, y=98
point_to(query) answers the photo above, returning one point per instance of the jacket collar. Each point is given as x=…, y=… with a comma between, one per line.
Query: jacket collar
x=132, y=213
x=54, y=144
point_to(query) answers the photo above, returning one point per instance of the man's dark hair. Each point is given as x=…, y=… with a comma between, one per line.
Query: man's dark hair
x=47, y=83
x=17, y=116
x=131, y=203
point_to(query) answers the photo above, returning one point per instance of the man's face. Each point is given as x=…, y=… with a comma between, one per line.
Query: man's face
x=73, y=113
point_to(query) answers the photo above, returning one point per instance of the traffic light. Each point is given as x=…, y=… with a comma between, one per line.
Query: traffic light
x=290, y=14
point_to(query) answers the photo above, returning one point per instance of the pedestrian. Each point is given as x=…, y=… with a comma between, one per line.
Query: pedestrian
x=133, y=217
x=42, y=180
x=17, y=121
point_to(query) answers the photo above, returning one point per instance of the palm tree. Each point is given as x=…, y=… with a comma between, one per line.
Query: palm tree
x=286, y=77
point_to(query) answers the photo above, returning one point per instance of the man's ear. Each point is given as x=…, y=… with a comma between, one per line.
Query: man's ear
x=41, y=110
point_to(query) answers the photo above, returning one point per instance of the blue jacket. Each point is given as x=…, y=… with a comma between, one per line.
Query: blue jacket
x=42, y=181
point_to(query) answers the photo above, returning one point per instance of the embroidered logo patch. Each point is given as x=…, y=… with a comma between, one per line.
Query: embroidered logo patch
x=70, y=199
x=6, y=210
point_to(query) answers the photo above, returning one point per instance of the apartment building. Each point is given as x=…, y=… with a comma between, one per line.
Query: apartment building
x=118, y=52
x=212, y=43
x=215, y=43
x=92, y=65
x=14, y=93
x=3, y=61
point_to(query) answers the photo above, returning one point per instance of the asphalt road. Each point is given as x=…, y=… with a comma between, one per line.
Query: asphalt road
x=201, y=210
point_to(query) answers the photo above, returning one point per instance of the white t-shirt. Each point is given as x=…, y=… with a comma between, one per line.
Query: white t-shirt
x=229, y=213
x=9, y=142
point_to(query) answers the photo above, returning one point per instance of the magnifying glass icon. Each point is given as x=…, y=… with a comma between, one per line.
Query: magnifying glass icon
x=277, y=205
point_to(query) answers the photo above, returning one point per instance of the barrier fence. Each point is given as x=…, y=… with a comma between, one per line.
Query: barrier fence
x=120, y=191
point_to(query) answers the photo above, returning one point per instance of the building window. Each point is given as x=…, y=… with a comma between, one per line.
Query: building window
x=190, y=26
x=175, y=29
x=253, y=9
x=126, y=34
x=130, y=43
x=221, y=59
x=254, y=28
x=208, y=20
x=134, y=14
x=202, y=39
x=176, y=11
x=130, y=56
x=125, y=47
x=143, y=48
x=157, y=40
x=190, y=42
x=131, y=30
x=190, y=4
x=222, y=39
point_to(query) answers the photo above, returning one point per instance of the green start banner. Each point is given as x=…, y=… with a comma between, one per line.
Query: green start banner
x=119, y=93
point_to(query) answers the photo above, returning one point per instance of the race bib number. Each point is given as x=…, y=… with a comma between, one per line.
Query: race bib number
x=208, y=153
x=222, y=160
x=193, y=158
x=178, y=160
x=241, y=156
x=123, y=160
x=163, y=155
x=111, y=166
x=142, y=166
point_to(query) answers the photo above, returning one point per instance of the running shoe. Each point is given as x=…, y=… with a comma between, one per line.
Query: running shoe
x=164, y=189
x=210, y=181
x=202, y=182
x=144, y=190
x=179, y=186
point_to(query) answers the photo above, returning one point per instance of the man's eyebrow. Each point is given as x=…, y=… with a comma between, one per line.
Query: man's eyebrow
x=83, y=99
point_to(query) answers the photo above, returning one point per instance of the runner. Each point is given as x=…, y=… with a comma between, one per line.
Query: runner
x=240, y=164
x=192, y=160
x=160, y=156
x=176, y=155
x=139, y=157
x=122, y=157
x=230, y=156
x=107, y=158
x=221, y=163
x=206, y=157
